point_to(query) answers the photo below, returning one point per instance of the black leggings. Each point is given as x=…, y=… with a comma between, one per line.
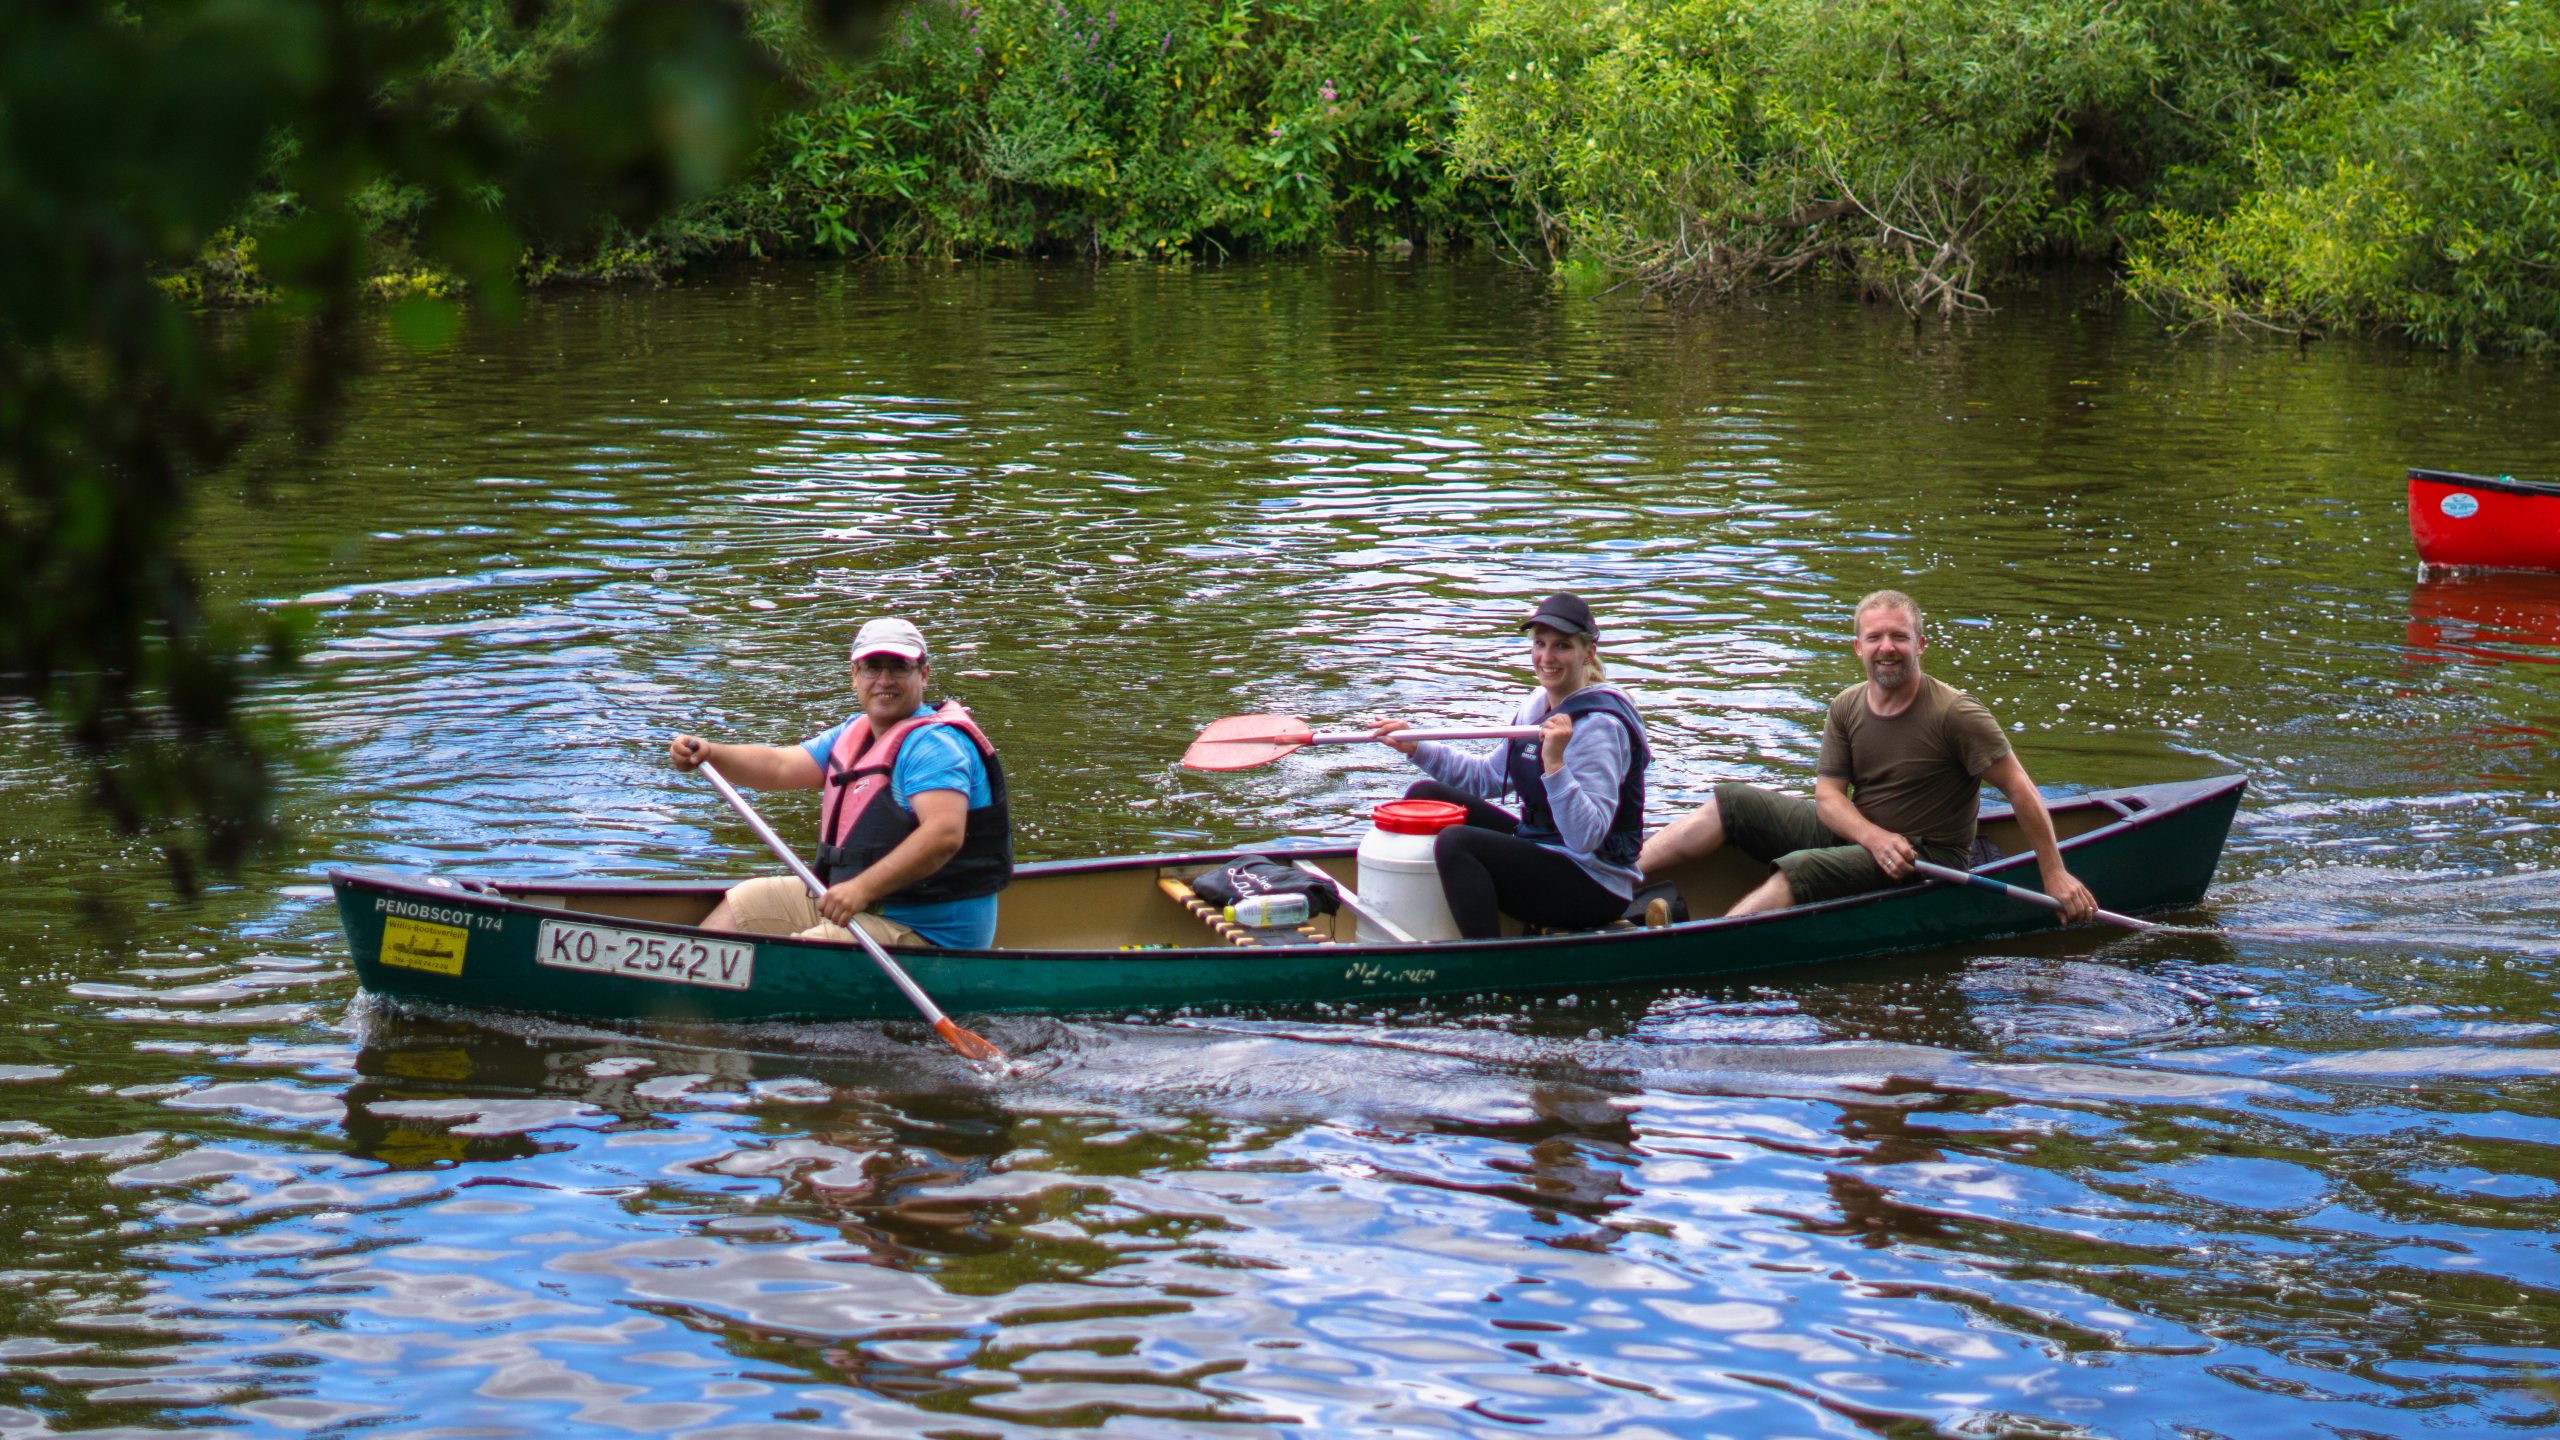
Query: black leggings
x=1486, y=871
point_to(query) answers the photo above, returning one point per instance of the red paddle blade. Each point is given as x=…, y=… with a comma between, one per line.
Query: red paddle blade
x=969, y=1043
x=1241, y=742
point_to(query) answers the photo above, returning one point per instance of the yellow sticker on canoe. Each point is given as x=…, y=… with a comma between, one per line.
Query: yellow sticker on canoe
x=423, y=945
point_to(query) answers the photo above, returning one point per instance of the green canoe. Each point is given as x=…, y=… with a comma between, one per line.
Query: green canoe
x=1103, y=935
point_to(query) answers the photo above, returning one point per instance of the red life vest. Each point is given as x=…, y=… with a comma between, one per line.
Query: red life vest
x=860, y=820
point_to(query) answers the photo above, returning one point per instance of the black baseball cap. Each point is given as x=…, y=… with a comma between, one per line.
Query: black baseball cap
x=1566, y=612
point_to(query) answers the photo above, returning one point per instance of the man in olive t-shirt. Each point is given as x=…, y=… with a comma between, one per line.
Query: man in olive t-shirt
x=1903, y=759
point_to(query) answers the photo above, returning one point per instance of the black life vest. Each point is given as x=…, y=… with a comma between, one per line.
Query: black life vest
x=1625, y=839
x=860, y=819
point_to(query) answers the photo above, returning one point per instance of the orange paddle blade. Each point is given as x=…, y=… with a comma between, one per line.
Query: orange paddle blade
x=968, y=1042
x=1241, y=742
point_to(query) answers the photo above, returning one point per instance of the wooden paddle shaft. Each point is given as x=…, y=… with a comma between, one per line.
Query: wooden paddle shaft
x=2032, y=897
x=897, y=974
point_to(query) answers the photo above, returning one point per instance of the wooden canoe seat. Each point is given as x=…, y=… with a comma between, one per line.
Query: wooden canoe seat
x=1656, y=914
x=1234, y=934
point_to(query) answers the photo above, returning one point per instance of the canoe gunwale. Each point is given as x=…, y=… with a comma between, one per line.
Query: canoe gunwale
x=2157, y=804
x=2506, y=484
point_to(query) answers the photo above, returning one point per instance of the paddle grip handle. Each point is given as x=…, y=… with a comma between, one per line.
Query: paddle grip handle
x=1936, y=871
x=897, y=974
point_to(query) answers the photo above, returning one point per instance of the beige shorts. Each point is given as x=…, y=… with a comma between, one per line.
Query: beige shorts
x=781, y=905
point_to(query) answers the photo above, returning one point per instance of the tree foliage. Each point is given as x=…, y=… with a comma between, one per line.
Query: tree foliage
x=136, y=137
x=1916, y=145
x=2294, y=165
x=2407, y=185
x=1130, y=127
x=2299, y=165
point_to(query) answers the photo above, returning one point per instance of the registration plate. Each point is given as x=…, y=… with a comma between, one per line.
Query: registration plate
x=646, y=955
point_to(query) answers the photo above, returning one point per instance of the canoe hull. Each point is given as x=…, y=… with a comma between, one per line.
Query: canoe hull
x=2476, y=522
x=435, y=939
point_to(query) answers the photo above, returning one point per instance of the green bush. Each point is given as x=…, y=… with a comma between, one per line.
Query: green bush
x=1917, y=145
x=1137, y=128
x=2411, y=188
x=1620, y=128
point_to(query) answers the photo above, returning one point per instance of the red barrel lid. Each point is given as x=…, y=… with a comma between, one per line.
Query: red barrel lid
x=1417, y=817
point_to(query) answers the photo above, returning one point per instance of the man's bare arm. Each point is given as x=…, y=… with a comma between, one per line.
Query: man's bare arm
x=758, y=767
x=1840, y=814
x=942, y=823
x=2010, y=778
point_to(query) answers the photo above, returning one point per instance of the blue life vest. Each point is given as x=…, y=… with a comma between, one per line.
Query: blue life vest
x=1528, y=778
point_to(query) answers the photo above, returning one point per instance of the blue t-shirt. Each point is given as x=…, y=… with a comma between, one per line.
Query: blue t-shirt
x=935, y=757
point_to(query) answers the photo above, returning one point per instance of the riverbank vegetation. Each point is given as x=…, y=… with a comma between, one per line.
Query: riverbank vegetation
x=2285, y=165
x=2302, y=167
x=1131, y=128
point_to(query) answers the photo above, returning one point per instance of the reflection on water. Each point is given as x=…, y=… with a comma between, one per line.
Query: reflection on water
x=2301, y=1176
x=2486, y=616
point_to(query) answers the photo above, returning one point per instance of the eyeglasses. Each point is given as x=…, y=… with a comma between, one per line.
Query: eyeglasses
x=886, y=665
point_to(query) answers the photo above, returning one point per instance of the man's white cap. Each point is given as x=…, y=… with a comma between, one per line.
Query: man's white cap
x=888, y=637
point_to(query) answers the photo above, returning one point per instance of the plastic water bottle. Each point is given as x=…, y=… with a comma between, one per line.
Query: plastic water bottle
x=1263, y=911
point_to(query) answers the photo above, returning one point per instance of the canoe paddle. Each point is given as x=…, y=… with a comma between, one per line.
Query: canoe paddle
x=2033, y=897
x=967, y=1042
x=2254, y=932
x=1241, y=742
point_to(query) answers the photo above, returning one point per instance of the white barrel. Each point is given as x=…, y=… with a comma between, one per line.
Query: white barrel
x=1396, y=873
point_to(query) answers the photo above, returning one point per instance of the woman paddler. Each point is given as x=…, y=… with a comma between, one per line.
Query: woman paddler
x=1568, y=860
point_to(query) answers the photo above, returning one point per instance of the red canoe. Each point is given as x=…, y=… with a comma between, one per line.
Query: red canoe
x=2477, y=522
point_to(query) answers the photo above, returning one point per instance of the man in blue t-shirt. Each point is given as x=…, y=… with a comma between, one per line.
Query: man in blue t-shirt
x=916, y=861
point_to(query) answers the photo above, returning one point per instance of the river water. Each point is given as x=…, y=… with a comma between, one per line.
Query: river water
x=2082, y=1184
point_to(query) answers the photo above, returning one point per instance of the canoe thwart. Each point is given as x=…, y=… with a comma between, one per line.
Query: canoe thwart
x=1233, y=933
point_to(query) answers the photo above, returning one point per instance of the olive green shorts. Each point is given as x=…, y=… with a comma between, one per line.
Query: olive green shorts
x=1787, y=831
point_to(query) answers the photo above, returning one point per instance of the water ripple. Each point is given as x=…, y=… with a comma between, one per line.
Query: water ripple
x=2294, y=1177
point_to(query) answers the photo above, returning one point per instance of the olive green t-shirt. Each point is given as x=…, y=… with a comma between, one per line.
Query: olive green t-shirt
x=1916, y=773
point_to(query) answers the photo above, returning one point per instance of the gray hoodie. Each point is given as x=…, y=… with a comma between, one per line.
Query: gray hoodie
x=1583, y=795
